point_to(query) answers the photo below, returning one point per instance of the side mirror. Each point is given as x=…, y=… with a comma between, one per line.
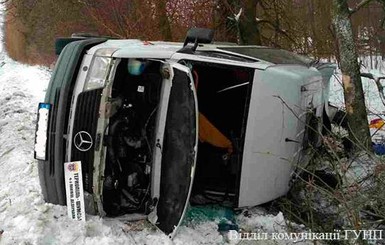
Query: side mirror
x=196, y=36
x=381, y=80
x=200, y=35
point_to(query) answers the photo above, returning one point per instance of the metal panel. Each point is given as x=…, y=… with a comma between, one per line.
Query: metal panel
x=178, y=152
x=273, y=134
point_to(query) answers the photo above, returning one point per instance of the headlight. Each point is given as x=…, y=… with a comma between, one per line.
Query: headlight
x=97, y=76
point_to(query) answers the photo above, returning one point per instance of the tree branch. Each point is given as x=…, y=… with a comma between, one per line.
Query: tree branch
x=380, y=89
x=227, y=5
x=95, y=16
x=363, y=3
x=276, y=28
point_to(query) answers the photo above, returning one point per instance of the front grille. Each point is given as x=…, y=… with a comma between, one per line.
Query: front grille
x=86, y=118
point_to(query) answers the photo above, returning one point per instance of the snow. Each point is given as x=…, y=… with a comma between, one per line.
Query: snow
x=372, y=99
x=374, y=105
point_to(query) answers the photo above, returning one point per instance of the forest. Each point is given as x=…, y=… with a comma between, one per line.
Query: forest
x=303, y=26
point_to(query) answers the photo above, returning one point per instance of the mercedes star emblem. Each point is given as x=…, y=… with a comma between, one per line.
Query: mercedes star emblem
x=83, y=141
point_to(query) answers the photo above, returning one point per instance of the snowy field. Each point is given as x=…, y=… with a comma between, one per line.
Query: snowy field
x=372, y=99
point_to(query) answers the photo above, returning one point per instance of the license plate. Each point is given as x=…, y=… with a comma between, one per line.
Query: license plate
x=74, y=190
x=41, y=136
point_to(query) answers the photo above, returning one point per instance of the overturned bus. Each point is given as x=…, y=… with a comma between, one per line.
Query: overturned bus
x=155, y=123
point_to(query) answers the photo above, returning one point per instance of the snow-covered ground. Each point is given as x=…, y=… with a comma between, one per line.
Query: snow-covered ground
x=375, y=107
x=372, y=98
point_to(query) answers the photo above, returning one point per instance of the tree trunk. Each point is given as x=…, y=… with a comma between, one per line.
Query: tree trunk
x=225, y=30
x=164, y=23
x=353, y=92
x=248, y=29
x=314, y=31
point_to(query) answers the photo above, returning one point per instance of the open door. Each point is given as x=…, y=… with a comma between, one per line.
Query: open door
x=176, y=148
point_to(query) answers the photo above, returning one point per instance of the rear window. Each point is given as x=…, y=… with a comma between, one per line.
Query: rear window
x=276, y=56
